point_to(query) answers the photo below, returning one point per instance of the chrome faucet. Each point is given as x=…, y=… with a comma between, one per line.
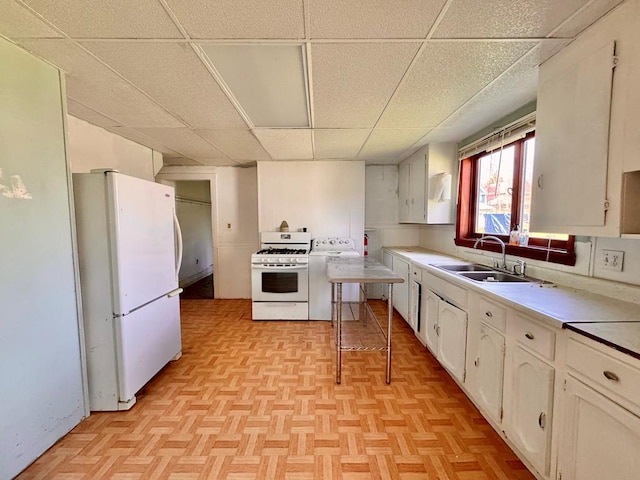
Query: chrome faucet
x=520, y=265
x=504, y=252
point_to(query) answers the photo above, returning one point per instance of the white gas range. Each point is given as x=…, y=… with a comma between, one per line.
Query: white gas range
x=280, y=276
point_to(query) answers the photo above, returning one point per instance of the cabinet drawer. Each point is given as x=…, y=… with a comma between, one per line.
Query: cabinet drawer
x=492, y=314
x=534, y=336
x=604, y=370
x=450, y=292
x=416, y=273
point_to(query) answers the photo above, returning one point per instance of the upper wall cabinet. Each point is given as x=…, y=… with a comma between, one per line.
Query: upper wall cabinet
x=586, y=138
x=425, y=185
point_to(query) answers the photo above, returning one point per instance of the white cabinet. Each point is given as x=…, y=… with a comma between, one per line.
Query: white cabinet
x=414, y=312
x=528, y=406
x=585, y=140
x=485, y=367
x=452, y=342
x=430, y=307
x=401, y=290
x=424, y=185
x=600, y=439
x=600, y=428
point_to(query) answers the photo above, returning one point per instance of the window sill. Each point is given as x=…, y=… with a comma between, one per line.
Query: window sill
x=552, y=255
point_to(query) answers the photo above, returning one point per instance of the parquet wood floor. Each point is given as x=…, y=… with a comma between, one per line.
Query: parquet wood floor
x=258, y=400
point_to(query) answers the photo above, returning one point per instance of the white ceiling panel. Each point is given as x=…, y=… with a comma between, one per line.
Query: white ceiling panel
x=240, y=145
x=372, y=18
x=491, y=104
x=184, y=141
x=286, y=144
x=445, y=76
x=143, y=139
x=586, y=17
x=79, y=110
x=504, y=18
x=97, y=87
x=17, y=22
x=240, y=18
x=180, y=82
x=339, y=144
x=390, y=143
x=108, y=19
x=352, y=83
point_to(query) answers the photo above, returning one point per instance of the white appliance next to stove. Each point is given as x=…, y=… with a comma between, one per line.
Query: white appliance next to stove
x=319, y=286
x=280, y=277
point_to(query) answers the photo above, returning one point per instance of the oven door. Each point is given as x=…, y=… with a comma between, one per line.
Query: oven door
x=279, y=283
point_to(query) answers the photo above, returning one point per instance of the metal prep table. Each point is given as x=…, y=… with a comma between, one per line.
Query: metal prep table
x=361, y=331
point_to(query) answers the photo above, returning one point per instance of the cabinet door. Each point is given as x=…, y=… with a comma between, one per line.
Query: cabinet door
x=485, y=367
x=414, y=312
x=430, y=306
x=572, y=141
x=528, y=407
x=599, y=438
x=403, y=192
x=417, y=189
x=452, y=343
x=401, y=290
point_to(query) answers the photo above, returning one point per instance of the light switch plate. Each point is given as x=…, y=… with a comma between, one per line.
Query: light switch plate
x=612, y=260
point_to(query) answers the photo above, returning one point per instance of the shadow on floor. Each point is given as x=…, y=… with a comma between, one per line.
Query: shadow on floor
x=201, y=289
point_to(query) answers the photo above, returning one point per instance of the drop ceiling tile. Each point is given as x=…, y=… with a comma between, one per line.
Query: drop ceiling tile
x=352, y=83
x=240, y=18
x=339, y=143
x=491, y=104
x=138, y=137
x=286, y=144
x=504, y=18
x=586, y=17
x=83, y=112
x=97, y=87
x=372, y=18
x=184, y=141
x=175, y=77
x=446, y=75
x=17, y=22
x=390, y=143
x=108, y=19
x=239, y=145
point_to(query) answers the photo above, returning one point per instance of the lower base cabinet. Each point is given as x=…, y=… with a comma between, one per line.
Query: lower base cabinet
x=599, y=439
x=452, y=342
x=529, y=384
x=485, y=367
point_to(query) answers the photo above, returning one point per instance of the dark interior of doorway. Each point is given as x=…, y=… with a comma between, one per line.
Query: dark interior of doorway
x=202, y=289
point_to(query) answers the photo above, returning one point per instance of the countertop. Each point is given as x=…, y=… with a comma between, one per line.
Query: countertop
x=556, y=305
x=359, y=270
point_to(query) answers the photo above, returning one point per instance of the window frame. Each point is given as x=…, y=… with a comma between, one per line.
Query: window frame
x=554, y=251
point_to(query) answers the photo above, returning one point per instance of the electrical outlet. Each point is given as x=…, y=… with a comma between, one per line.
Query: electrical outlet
x=229, y=226
x=612, y=260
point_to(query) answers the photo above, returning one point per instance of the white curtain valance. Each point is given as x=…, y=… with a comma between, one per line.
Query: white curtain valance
x=500, y=137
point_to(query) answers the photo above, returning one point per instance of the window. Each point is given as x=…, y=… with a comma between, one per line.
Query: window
x=495, y=196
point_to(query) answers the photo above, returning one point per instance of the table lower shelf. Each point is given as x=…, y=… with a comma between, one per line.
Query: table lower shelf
x=360, y=329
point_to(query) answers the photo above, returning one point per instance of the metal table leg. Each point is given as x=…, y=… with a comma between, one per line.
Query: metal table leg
x=390, y=318
x=339, y=333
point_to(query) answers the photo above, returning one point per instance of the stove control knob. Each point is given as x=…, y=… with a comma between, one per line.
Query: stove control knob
x=332, y=241
x=282, y=260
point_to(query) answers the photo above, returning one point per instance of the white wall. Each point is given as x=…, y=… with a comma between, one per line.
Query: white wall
x=327, y=197
x=92, y=147
x=41, y=386
x=193, y=209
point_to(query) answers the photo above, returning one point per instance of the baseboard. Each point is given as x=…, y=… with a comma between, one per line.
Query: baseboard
x=191, y=279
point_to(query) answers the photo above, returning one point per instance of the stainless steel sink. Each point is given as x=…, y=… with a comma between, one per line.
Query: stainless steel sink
x=464, y=267
x=494, y=277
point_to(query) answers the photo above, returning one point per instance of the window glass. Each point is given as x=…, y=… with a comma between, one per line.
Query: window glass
x=494, y=192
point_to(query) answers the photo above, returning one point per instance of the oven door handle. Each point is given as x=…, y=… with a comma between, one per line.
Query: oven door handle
x=268, y=268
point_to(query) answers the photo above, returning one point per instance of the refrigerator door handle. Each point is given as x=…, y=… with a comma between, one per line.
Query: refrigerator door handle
x=175, y=292
x=176, y=225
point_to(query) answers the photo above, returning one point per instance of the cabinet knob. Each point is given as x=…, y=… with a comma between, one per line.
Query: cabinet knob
x=611, y=376
x=529, y=335
x=488, y=314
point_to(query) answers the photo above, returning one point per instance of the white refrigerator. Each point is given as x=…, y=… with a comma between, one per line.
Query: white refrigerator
x=129, y=251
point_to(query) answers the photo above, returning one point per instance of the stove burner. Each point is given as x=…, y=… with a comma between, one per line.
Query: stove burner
x=282, y=251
